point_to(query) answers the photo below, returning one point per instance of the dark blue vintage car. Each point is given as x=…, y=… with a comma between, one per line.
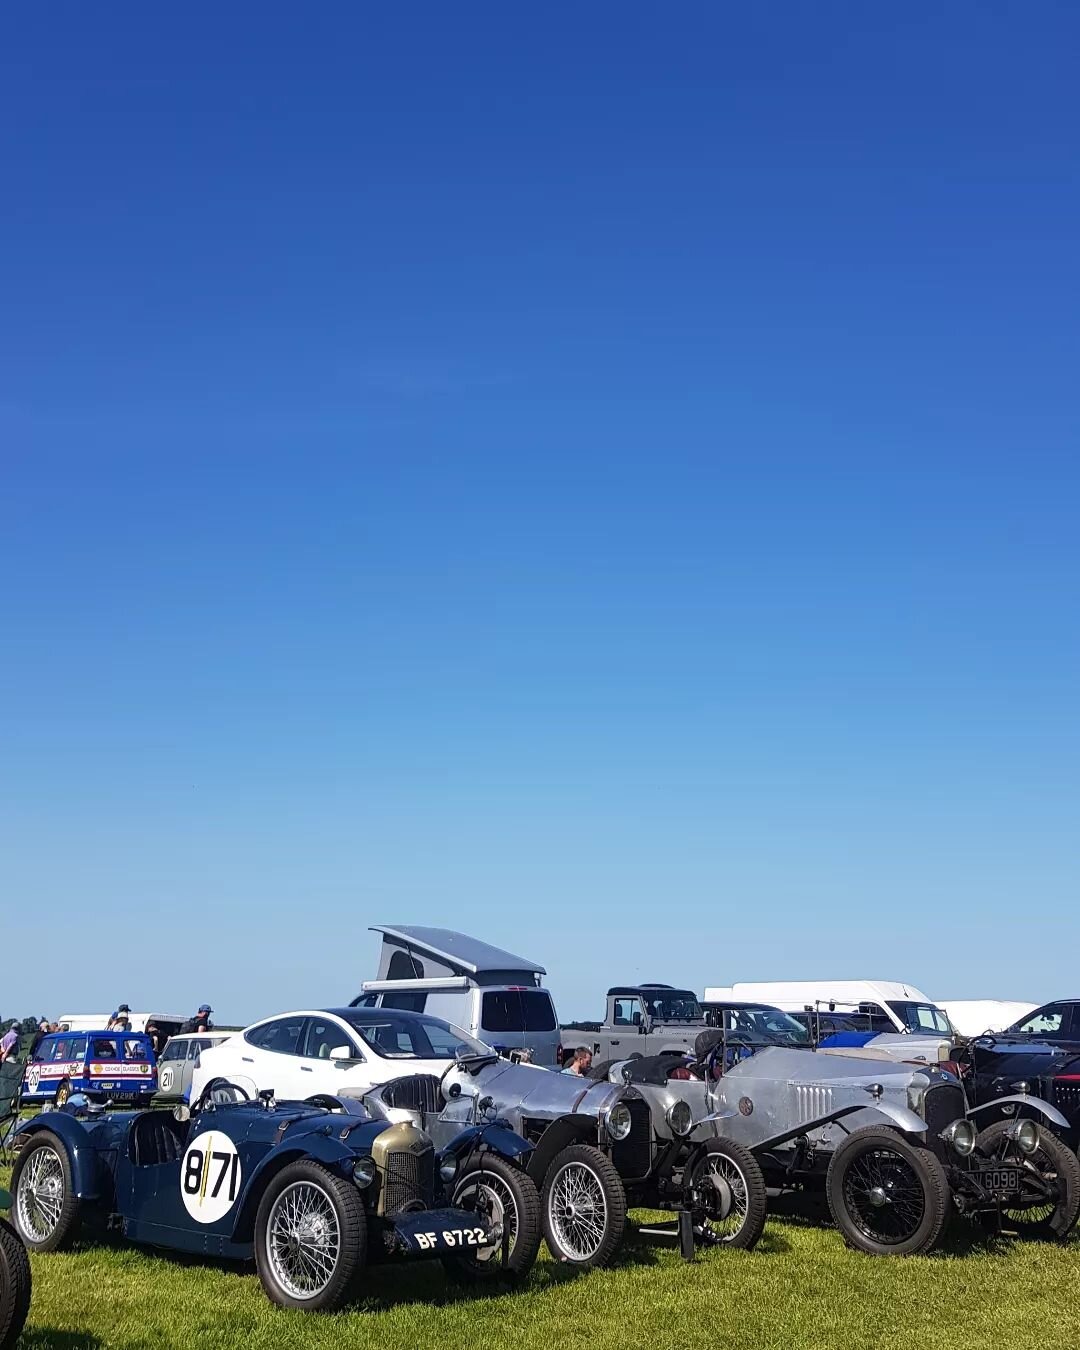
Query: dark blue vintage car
x=313, y=1190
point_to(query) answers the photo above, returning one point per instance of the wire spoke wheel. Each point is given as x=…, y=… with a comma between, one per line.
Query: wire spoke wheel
x=303, y=1240
x=40, y=1198
x=884, y=1196
x=577, y=1211
x=488, y=1195
x=720, y=1189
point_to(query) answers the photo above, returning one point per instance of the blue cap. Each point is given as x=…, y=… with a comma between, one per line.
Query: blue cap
x=205, y=1007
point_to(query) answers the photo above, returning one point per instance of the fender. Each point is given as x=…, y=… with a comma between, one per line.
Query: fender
x=906, y=1121
x=90, y=1178
x=319, y=1147
x=1049, y=1112
x=497, y=1136
x=560, y=1134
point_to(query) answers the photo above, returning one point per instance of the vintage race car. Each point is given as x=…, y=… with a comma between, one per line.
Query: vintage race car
x=593, y=1145
x=15, y=1282
x=891, y=1144
x=312, y=1190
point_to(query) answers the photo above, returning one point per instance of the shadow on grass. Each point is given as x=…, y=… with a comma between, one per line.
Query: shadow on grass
x=51, y=1338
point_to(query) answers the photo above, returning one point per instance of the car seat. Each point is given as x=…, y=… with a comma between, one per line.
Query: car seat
x=157, y=1137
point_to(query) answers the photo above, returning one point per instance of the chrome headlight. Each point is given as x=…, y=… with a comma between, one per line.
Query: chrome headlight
x=448, y=1168
x=680, y=1118
x=363, y=1172
x=618, y=1121
x=960, y=1137
x=1025, y=1135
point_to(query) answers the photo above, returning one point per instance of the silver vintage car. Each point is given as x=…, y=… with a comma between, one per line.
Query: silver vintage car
x=891, y=1143
x=593, y=1144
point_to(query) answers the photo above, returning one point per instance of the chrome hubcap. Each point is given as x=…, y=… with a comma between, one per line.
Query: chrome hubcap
x=303, y=1240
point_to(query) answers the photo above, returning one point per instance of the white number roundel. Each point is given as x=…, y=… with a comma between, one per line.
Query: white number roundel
x=210, y=1177
x=166, y=1080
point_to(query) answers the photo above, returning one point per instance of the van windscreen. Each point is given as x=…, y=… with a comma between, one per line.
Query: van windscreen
x=518, y=1010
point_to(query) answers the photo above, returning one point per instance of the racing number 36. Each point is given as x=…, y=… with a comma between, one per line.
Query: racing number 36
x=207, y=1173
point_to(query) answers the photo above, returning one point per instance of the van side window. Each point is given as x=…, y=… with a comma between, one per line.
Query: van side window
x=407, y=1001
x=627, y=1012
x=405, y=966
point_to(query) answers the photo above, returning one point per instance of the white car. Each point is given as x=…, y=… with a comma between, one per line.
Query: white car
x=334, y=1051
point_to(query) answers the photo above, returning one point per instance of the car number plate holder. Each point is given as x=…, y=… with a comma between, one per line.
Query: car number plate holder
x=1000, y=1181
x=434, y=1231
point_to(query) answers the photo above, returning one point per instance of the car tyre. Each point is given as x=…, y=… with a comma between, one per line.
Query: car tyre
x=62, y=1095
x=888, y=1196
x=335, y=1245
x=15, y=1283
x=50, y=1223
x=740, y=1220
x=583, y=1205
x=1044, y=1223
x=497, y=1189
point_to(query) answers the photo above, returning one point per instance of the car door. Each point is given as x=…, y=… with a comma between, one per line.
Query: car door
x=317, y=1071
x=268, y=1054
x=1051, y=1022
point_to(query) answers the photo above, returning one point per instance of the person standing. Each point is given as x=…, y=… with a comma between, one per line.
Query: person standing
x=9, y=1043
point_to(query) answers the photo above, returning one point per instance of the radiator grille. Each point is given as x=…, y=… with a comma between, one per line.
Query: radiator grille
x=812, y=1101
x=1067, y=1099
x=421, y=1092
x=409, y=1181
x=941, y=1106
x=632, y=1156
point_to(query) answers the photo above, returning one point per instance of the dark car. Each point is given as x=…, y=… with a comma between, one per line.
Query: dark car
x=997, y=1067
x=1056, y=1023
x=15, y=1281
x=313, y=1190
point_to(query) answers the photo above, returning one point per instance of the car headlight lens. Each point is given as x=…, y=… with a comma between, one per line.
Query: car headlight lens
x=680, y=1118
x=618, y=1121
x=960, y=1137
x=448, y=1169
x=1025, y=1135
x=363, y=1172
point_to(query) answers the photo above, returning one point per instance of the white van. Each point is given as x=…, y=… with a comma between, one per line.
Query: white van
x=973, y=1016
x=490, y=993
x=905, y=1008
x=168, y=1023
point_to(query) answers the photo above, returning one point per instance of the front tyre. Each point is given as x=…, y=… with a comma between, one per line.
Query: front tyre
x=507, y=1198
x=726, y=1196
x=583, y=1205
x=14, y=1286
x=1051, y=1220
x=887, y=1196
x=46, y=1210
x=63, y=1094
x=310, y=1238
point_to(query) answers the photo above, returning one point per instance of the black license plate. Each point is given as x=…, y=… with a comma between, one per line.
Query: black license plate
x=441, y=1230
x=999, y=1180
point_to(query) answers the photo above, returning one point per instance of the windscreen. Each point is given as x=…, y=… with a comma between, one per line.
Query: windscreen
x=765, y=1026
x=673, y=1005
x=921, y=1017
x=414, y=1037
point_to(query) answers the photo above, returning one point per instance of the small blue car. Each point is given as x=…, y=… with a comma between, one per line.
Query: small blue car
x=314, y=1191
x=106, y=1066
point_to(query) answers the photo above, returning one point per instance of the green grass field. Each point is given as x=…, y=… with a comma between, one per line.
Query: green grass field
x=801, y=1287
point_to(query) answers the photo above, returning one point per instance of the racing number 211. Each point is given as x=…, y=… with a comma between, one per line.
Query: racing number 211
x=198, y=1163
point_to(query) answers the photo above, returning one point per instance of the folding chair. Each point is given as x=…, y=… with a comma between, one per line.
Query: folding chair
x=11, y=1081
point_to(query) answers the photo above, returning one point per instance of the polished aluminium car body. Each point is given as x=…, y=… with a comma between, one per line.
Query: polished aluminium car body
x=798, y=1112
x=590, y=1139
x=312, y=1190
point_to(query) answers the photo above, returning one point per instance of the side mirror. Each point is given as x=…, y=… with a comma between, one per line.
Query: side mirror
x=182, y=1113
x=342, y=1056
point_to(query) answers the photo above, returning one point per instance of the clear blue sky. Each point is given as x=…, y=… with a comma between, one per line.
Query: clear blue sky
x=602, y=478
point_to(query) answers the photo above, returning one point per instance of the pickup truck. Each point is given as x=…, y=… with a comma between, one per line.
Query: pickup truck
x=642, y=1019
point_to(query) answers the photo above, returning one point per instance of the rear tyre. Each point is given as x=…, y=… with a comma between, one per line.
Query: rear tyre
x=1052, y=1221
x=310, y=1238
x=887, y=1196
x=46, y=1210
x=583, y=1204
x=727, y=1196
x=15, y=1285
x=501, y=1193
x=62, y=1094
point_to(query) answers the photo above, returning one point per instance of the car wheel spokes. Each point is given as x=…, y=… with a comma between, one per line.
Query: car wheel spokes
x=884, y=1196
x=722, y=1173
x=489, y=1195
x=578, y=1211
x=303, y=1240
x=41, y=1195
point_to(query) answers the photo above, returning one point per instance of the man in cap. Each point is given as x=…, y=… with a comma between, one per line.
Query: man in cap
x=122, y=1014
x=201, y=1020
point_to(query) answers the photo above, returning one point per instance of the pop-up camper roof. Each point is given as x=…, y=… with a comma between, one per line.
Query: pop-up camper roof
x=417, y=953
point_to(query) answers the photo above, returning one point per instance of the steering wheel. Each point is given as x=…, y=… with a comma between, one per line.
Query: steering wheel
x=206, y=1098
x=986, y=1042
x=326, y=1100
